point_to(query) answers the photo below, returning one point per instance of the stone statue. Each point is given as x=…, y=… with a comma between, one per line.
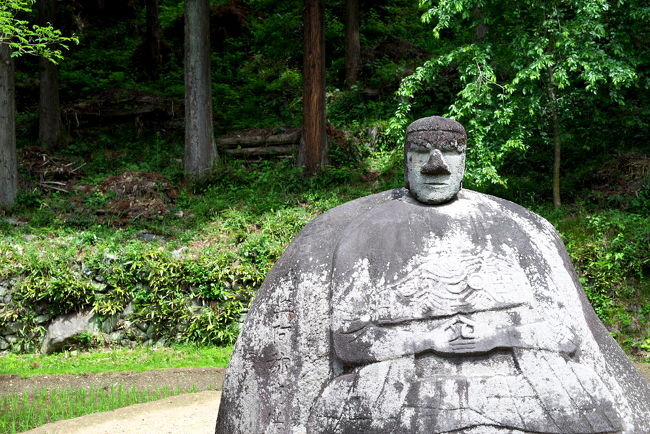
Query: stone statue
x=429, y=309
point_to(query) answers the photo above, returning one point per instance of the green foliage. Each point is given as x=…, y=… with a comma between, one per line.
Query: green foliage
x=195, y=281
x=25, y=39
x=138, y=359
x=581, y=50
x=611, y=253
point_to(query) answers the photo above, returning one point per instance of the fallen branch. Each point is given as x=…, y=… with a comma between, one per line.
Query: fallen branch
x=263, y=150
x=250, y=141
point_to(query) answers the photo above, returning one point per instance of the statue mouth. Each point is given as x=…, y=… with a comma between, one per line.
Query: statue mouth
x=436, y=183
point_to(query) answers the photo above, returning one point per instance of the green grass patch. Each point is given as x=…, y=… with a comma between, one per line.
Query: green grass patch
x=22, y=412
x=118, y=359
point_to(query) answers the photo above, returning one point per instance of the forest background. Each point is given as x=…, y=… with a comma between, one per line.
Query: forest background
x=106, y=220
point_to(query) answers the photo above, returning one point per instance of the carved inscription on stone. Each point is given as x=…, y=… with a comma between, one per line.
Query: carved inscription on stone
x=282, y=324
x=457, y=338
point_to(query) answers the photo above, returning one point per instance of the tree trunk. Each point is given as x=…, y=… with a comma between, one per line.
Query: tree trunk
x=313, y=147
x=557, y=203
x=49, y=125
x=200, y=148
x=152, y=39
x=352, y=43
x=8, y=166
x=481, y=27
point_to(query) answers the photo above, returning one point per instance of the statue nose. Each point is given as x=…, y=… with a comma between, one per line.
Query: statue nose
x=436, y=164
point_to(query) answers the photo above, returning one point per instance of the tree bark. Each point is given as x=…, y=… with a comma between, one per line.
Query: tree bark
x=557, y=145
x=352, y=43
x=152, y=39
x=200, y=148
x=481, y=27
x=49, y=125
x=8, y=164
x=313, y=148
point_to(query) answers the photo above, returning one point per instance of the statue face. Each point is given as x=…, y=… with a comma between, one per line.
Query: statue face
x=434, y=172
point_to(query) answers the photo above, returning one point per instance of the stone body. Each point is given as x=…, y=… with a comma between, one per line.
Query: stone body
x=327, y=344
x=429, y=310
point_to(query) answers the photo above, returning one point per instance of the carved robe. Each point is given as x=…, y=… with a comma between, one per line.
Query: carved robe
x=388, y=315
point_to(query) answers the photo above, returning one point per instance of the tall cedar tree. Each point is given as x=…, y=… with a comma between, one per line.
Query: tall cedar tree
x=313, y=148
x=152, y=39
x=200, y=148
x=49, y=125
x=18, y=37
x=8, y=167
x=352, y=43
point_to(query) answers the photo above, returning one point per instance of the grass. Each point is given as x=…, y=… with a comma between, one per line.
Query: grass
x=119, y=359
x=22, y=412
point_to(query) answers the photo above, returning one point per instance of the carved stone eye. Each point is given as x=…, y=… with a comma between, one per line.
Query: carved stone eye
x=475, y=281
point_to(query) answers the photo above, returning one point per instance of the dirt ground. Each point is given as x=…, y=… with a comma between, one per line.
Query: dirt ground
x=181, y=378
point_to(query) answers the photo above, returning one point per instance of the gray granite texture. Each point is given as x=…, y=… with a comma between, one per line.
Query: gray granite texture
x=392, y=315
x=388, y=315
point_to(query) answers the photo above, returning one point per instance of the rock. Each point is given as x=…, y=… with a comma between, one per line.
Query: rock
x=115, y=336
x=179, y=253
x=109, y=323
x=40, y=319
x=149, y=331
x=144, y=236
x=11, y=328
x=7, y=298
x=99, y=287
x=242, y=318
x=429, y=310
x=3, y=290
x=29, y=237
x=12, y=221
x=11, y=339
x=197, y=304
x=3, y=344
x=128, y=310
x=63, y=329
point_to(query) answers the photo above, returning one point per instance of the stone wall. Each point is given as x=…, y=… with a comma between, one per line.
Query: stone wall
x=33, y=327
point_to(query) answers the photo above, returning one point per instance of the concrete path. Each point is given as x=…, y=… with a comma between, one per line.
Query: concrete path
x=190, y=413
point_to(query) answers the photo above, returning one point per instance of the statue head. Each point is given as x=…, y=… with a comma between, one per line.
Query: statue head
x=434, y=159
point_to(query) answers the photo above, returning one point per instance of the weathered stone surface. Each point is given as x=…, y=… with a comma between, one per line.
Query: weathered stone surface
x=109, y=323
x=40, y=319
x=390, y=315
x=66, y=327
